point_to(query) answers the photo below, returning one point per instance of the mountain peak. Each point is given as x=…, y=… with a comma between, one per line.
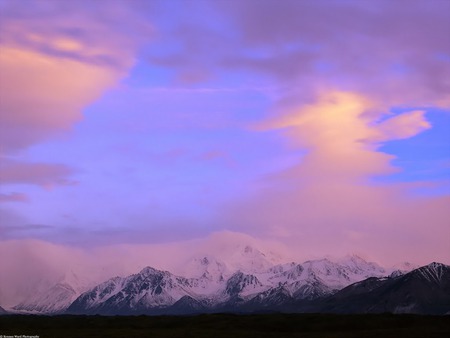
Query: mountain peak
x=433, y=271
x=435, y=265
x=423, y=291
x=248, y=249
x=155, y=291
x=206, y=266
x=149, y=271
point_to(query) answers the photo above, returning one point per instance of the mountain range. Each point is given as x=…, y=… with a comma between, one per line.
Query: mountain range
x=425, y=290
x=254, y=282
x=294, y=288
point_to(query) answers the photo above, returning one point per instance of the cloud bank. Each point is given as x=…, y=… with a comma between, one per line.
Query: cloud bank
x=331, y=202
x=55, y=59
x=329, y=79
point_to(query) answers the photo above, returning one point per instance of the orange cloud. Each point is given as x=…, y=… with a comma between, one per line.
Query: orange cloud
x=328, y=201
x=334, y=130
x=42, y=94
x=52, y=65
x=55, y=59
x=342, y=133
x=403, y=126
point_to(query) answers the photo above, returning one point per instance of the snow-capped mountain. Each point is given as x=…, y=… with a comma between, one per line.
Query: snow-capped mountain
x=227, y=256
x=243, y=285
x=334, y=275
x=207, y=267
x=425, y=290
x=149, y=289
x=214, y=288
x=402, y=268
x=55, y=298
x=228, y=272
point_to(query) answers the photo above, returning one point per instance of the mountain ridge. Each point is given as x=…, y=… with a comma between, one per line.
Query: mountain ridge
x=310, y=286
x=425, y=290
x=250, y=281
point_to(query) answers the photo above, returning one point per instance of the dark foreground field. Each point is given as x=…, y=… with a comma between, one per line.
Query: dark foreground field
x=228, y=325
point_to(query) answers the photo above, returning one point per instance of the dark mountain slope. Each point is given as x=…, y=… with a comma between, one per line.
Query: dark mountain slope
x=3, y=311
x=425, y=290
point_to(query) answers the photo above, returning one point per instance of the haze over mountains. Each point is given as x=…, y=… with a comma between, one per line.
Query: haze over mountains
x=38, y=266
x=152, y=289
x=237, y=276
x=137, y=137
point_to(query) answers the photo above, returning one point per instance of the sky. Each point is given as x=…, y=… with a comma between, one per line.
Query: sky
x=320, y=125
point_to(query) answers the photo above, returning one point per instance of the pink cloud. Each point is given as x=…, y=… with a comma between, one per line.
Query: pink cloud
x=43, y=264
x=327, y=202
x=42, y=95
x=404, y=125
x=396, y=54
x=55, y=59
x=43, y=174
x=339, y=135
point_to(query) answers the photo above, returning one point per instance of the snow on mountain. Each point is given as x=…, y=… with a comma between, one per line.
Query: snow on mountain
x=358, y=269
x=311, y=279
x=150, y=288
x=206, y=274
x=310, y=289
x=210, y=273
x=50, y=272
x=211, y=285
x=249, y=259
x=425, y=290
x=271, y=298
x=358, y=266
x=405, y=266
x=205, y=266
x=279, y=268
x=401, y=269
x=225, y=268
x=100, y=293
x=187, y=305
x=242, y=252
x=434, y=272
x=316, y=278
x=45, y=265
x=54, y=300
x=243, y=285
x=57, y=297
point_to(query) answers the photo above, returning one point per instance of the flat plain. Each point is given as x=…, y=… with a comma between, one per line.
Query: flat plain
x=228, y=325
